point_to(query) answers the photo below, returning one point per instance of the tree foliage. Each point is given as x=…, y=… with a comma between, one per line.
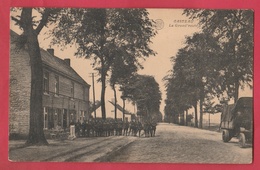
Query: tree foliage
x=194, y=73
x=214, y=62
x=181, y=89
x=105, y=35
x=204, y=50
x=145, y=92
x=234, y=32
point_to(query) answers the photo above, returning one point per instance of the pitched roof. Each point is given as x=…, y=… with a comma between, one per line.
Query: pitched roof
x=56, y=63
x=121, y=108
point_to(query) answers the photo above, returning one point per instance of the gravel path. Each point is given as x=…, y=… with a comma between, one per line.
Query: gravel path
x=180, y=144
x=172, y=144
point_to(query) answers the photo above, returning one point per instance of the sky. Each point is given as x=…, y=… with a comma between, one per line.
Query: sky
x=172, y=29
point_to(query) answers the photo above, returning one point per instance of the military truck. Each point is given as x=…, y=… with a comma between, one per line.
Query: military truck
x=237, y=121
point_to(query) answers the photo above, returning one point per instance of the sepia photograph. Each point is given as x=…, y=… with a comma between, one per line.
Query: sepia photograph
x=131, y=85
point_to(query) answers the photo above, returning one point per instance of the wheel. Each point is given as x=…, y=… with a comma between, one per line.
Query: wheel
x=226, y=136
x=242, y=140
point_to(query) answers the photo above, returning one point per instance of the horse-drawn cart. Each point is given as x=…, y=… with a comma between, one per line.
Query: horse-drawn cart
x=236, y=121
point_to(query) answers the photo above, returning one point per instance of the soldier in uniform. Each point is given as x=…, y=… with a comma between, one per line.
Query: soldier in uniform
x=88, y=127
x=77, y=128
x=95, y=128
x=115, y=127
x=99, y=128
x=120, y=127
x=83, y=127
x=105, y=128
x=111, y=128
x=125, y=127
x=130, y=128
x=153, y=127
x=139, y=128
x=133, y=128
x=146, y=128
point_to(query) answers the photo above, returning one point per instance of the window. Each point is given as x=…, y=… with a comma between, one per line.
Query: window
x=72, y=90
x=57, y=118
x=56, y=89
x=46, y=82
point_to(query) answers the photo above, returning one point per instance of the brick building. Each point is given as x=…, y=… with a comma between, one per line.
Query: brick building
x=65, y=97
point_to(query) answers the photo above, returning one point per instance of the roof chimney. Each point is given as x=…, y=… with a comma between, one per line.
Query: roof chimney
x=67, y=61
x=51, y=51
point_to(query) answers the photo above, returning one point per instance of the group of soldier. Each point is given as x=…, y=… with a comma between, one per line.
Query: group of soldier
x=97, y=128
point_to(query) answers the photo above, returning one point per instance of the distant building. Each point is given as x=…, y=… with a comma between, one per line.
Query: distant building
x=65, y=96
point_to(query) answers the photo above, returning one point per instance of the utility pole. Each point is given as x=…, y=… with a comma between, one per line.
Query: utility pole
x=94, y=100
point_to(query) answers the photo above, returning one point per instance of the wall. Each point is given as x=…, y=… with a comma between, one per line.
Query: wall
x=20, y=89
x=73, y=105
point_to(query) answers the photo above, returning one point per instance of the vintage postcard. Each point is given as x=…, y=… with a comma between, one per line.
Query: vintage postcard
x=138, y=85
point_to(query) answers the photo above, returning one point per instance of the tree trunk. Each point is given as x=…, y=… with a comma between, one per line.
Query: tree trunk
x=201, y=113
x=94, y=98
x=123, y=110
x=36, y=134
x=196, y=114
x=236, y=91
x=234, y=42
x=103, y=90
x=186, y=123
x=209, y=120
x=103, y=65
x=183, y=117
x=114, y=89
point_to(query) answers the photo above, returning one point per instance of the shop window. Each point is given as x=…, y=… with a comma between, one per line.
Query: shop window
x=59, y=117
x=51, y=118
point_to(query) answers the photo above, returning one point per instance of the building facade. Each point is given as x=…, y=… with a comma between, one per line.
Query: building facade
x=65, y=93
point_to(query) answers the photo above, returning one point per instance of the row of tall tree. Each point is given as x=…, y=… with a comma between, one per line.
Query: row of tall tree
x=144, y=91
x=214, y=63
x=115, y=39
